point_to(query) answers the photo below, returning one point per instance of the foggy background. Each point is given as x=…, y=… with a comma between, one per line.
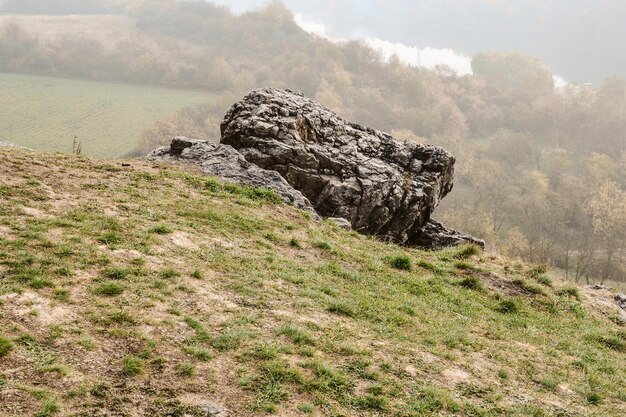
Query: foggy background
x=581, y=40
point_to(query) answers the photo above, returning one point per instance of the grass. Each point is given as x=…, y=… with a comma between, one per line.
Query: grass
x=132, y=366
x=45, y=113
x=529, y=286
x=507, y=307
x=5, y=346
x=466, y=251
x=471, y=283
x=342, y=309
x=161, y=230
x=135, y=323
x=186, y=369
x=108, y=289
x=401, y=262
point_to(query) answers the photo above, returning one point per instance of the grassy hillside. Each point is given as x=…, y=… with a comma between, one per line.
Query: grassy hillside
x=148, y=290
x=45, y=113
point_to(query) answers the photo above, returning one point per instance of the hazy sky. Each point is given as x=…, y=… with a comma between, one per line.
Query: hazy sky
x=582, y=40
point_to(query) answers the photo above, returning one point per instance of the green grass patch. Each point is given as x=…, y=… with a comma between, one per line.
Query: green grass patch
x=529, y=286
x=161, y=230
x=296, y=334
x=132, y=366
x=507, y=307
x=108, y=289
x=343, y=309
x=5, y=346
x=400, y=262
x=471, y=283
x=186, y=369
x=466, y=251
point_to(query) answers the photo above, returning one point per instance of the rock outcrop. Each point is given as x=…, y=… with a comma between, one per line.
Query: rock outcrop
x=360, y=177
x=382, y=186
x=225, y=162
x=434, y=235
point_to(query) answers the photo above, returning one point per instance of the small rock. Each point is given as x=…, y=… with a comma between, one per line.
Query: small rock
x=621, y=300
x=341, y=222
x=226, y=163
x=565, y=389
x=213, y=411
x=598, y=287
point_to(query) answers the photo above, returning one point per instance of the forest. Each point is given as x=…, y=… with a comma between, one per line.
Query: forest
x=541, y=171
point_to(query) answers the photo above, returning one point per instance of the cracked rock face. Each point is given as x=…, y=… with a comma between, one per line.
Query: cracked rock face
x=225, y=162
x=382, y=186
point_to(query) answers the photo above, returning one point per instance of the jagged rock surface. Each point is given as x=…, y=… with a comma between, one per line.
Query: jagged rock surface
x=434, y=235
x=225, y=162
x=381, y=185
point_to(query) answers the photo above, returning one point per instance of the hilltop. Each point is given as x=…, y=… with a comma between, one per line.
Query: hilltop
x=135, y=288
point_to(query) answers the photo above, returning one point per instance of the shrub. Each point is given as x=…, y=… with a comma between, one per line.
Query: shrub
x=295, y=243
x=401, y=262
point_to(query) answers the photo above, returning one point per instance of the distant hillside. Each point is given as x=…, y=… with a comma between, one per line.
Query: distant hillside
x=45, y=113
x=138, y=289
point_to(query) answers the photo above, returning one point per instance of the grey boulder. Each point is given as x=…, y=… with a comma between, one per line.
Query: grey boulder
x=382, y=186
x=226, y=163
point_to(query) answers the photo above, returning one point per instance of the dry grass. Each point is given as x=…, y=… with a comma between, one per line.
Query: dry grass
x=146, y=290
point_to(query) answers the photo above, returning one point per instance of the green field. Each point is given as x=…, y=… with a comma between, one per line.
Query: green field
x=45, y=113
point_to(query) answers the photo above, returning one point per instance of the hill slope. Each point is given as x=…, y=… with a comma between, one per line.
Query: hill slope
x=149, y=290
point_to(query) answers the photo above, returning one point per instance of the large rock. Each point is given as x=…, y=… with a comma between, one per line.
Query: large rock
x=225, y=162
x=382, y=186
